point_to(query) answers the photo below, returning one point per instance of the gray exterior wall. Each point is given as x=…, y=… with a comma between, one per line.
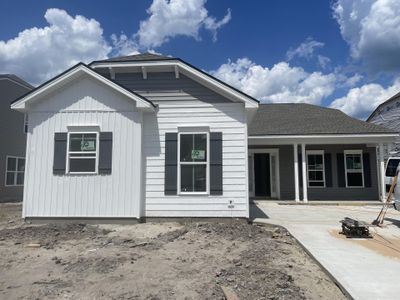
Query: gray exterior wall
x=12, y=136
x=164, y=86
x=286, y=174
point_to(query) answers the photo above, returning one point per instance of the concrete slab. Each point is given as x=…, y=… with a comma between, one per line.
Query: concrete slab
x=366, y=269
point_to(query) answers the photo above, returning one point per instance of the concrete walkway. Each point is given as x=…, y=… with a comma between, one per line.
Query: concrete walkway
x=366, y=269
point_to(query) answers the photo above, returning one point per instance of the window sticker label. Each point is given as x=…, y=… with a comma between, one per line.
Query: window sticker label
x=198, y=154
x=87, y=146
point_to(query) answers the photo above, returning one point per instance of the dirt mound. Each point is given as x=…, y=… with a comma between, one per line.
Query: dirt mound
x=50, y=234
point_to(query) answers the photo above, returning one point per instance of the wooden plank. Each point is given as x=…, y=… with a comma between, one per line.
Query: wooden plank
x=229, y=293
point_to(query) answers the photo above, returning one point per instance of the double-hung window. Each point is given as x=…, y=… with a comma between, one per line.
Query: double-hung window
x=82, y=155
x=315, y=168
x=15, y=171
x=193, y=159
x=353, y=163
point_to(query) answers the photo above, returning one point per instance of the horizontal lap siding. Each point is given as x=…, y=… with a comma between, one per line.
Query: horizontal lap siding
x=224, y=117
x=388, y=117
x=341, y=193
x=114, y=195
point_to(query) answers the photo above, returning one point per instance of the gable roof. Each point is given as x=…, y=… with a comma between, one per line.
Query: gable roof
x=17, y=80
x=380, y=106
x=71, y=73
x=149, y=59
x=307, y=119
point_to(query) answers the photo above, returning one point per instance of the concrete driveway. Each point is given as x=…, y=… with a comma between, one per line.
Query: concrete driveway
x=365, y=268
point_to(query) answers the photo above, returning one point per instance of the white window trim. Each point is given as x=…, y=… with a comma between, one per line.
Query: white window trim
x=207, y=163
x=88, y=152
x=360, y=152
x=316, y=152
x=16, y=171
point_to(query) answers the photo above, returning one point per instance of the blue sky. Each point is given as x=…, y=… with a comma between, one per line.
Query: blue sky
x=340, y=53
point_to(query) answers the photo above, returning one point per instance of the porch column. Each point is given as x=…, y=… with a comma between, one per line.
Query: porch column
x=296, y=174
x=382, y=173
x=304, y=172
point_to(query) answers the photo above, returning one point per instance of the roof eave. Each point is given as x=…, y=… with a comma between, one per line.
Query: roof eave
x=20, y=103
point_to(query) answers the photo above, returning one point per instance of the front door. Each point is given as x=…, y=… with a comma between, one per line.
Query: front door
x=262, y=175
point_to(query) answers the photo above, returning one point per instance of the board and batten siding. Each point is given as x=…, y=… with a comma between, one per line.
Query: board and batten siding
x=84, y=102
x=184, y=102
x=228, y=118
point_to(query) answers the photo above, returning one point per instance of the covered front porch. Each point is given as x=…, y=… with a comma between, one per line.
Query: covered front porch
x=317, y=167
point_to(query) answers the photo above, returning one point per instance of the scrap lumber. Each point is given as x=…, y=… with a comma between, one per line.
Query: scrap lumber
x=229, y=293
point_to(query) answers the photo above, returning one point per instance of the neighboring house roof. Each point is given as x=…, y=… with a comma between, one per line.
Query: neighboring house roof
x=380, y=106
x=17, y=80
x=307, y=119
x=149, y=59
x=71, y=73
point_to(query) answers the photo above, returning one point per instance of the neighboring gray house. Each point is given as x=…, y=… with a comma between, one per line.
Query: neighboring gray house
x=153, y=136
x=13, y=137
x=387, y=114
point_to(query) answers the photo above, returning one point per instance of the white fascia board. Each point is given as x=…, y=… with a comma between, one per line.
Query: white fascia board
x=323, y=139
x=187, y=70
x=70, y=75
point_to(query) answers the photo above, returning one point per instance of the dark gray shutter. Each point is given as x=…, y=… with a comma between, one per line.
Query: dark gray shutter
x=60, y=152
x=328, y=169
x=340, y=170
x=105, y=152
x=171, y=167
x=367, y=170
x=216, y=163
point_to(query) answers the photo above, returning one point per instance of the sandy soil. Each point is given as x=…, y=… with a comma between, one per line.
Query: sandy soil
x=154, y=261
x=382, y=245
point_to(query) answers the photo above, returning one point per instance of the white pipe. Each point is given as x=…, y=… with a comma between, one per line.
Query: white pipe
x=296, y=174
x=304, y=172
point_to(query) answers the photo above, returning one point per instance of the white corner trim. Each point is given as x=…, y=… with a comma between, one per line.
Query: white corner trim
x=144, y=72
x=75, y=72
x=176, y=72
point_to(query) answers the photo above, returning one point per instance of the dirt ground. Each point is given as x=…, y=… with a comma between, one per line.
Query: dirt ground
x=154, y=261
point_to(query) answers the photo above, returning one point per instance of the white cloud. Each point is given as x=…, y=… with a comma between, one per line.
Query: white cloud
x=372, y=30
x=37, y=54
x=171, y=18
x=361, y=101
x=305, y=49
x=280, y=83
x=123, y=45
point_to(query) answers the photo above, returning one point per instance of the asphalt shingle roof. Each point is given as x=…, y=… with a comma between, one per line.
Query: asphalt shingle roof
x=307, y=119
x=137, y=57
